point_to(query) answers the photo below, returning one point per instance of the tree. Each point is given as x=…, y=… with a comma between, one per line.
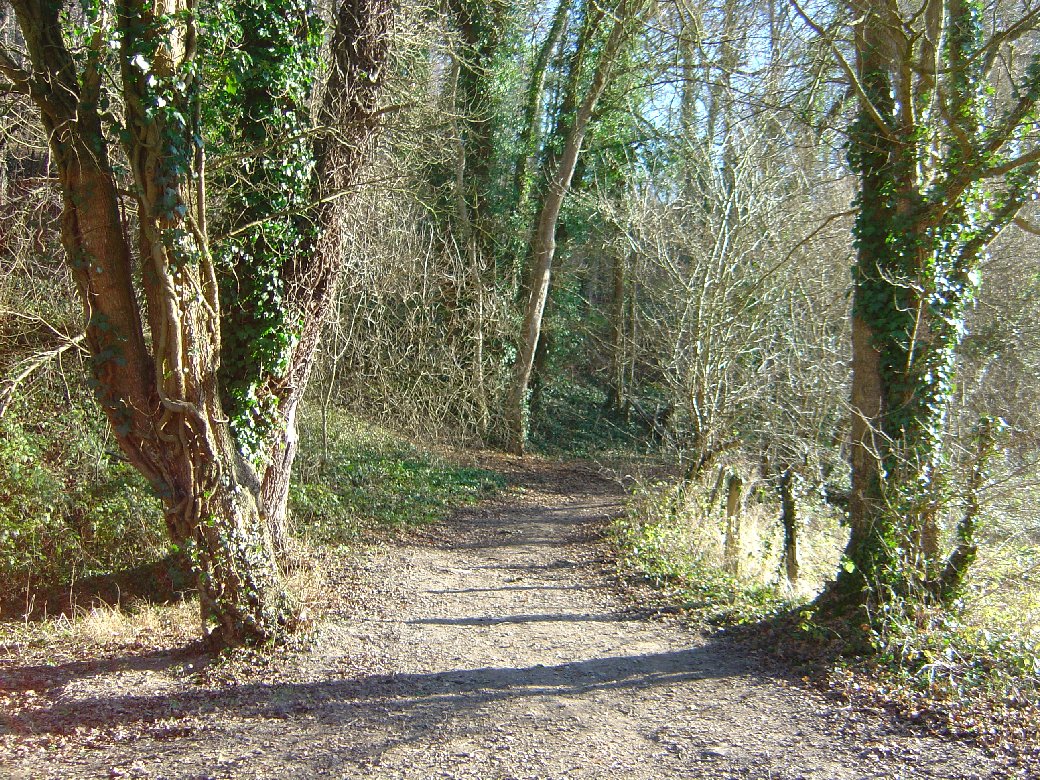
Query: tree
x=154, y=322
x=576, y=114
x=269, y=66
x=946, y=154
x=483, y=27
x=531, y=126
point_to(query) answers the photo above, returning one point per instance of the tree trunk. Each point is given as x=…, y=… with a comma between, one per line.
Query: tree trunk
x=955, y=572
x=532, y=122
x=732, y=547
x=349, y=113
x=539, y=373
x=866, y=547
x=483, y=28
x=913, y=275
x=789, y=521
x=274, y=489
x=543, y=243
x=618, y=363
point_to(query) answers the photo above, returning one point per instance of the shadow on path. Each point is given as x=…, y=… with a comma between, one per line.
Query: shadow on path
x=501, y=588
x=615, y=617
x=40, y=677
x=421, y=704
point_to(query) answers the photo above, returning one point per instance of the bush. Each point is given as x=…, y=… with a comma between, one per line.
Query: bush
x=69, y=506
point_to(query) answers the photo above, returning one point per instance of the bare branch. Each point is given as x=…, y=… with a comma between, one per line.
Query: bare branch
x=28, y=367
x=850, y=71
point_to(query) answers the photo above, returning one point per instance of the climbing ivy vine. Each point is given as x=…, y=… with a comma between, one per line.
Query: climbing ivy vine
x=942, y=171
x=267, y=53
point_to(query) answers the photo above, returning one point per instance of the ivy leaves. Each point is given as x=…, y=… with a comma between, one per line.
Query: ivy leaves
x=264, y=58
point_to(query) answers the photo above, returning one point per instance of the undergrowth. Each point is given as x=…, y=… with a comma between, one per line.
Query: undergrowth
x=672, y=540
x=70, y=506
x=950, y=678
x=955, y=672
x=972, y=669
x=571, y=421
x=361, y=477
x=72, y=510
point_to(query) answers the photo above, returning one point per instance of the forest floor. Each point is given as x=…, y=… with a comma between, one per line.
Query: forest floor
x=496, y=645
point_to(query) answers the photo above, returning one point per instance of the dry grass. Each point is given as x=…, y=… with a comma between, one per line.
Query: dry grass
x=99, y=628
x=136, y=623
x=685, y=529
x=1004, y=592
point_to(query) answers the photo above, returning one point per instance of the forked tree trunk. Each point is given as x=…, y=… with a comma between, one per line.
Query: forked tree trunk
x=163, y=402
x=917, y=261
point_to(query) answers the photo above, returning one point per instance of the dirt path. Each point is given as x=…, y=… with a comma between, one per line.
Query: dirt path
x=491, y=649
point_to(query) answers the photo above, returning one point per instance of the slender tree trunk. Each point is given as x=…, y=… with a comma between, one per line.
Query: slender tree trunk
x=732, y=547
x=274, y=488
x=543, y=243
x=531, y=126
x=539, y=373
x=618, y=363
x=789, y=521
x=955, y=572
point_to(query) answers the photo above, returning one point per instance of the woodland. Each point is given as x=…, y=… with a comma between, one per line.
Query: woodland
x=274, y=270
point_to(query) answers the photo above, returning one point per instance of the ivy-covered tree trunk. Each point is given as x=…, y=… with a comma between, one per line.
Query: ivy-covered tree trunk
x=278, y=265
x=940, y=174
x=483, y=27
x=159, y=386
x=866, y=549
x=531, y=127
x=348, y=117
x=261, y=116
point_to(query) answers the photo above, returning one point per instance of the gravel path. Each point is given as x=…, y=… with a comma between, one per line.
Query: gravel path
x=491, y=648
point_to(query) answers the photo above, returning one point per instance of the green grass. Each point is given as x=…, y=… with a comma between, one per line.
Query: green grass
x=370, y=478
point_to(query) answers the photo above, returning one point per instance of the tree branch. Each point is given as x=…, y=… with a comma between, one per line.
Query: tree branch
x=31, y=365
x=850, y=71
